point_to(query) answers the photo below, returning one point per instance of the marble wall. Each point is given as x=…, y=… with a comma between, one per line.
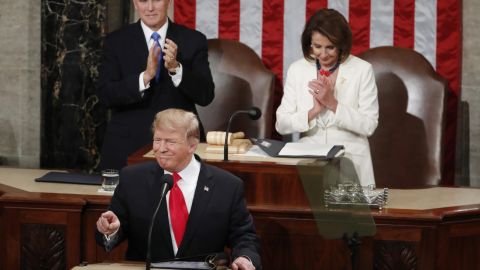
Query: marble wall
x=20, y=93
x=72, y=117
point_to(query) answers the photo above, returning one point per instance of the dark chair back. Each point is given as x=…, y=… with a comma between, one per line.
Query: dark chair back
x=241, y=81
x=407, y=146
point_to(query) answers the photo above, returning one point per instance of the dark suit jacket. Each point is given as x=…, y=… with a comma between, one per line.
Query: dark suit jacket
x=125, y=57
x=218, y=216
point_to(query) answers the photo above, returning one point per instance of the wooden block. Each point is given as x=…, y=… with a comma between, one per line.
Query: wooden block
x=238, y=146
x=218, y=137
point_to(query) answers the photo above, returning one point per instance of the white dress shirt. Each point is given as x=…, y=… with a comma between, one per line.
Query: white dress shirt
x=187, y=184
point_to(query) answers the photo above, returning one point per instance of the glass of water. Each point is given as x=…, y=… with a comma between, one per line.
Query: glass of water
x=110, y=179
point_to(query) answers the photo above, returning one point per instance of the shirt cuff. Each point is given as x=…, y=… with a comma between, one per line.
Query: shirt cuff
x=141, y=86
x=110, y=240
x=177, y=75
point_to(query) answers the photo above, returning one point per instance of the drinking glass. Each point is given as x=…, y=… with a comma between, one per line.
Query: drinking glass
x=110, y=178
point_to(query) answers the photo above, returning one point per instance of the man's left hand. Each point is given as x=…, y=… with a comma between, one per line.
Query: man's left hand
x=170, y=55
x=242, y=263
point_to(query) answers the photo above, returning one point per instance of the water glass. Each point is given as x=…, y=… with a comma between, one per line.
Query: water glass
x=110, y=178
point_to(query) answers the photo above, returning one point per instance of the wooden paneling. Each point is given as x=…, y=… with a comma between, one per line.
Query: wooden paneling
x=291, y=238
x=404, y=238
x=40, y=234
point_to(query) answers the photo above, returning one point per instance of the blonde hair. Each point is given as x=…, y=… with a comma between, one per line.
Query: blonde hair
x=177, y=118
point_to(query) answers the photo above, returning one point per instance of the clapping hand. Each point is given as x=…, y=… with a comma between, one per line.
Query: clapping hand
x=322, y=91
x=170, y=55
x=152, y=64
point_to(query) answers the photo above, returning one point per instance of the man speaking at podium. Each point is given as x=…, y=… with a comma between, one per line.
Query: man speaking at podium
x=203, y=213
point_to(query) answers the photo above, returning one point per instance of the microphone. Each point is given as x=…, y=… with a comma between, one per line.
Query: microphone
x=167, y=183
x=254, y=113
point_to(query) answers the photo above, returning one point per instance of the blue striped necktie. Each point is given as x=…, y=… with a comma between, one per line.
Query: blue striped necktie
x=156, y=37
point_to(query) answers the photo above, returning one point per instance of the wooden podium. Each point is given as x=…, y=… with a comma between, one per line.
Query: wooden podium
x=437, y=228
x=117, y=266
x=110, y=266
x=433, y=228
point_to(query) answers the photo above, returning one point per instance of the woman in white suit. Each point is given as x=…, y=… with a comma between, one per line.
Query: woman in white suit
x=329, y=95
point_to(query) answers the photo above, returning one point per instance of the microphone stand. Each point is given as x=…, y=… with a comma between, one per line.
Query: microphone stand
x=165, y=187
x=254, y=114
x=225, y=146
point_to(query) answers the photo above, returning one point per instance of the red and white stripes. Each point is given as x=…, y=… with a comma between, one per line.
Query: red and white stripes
x=272, y=28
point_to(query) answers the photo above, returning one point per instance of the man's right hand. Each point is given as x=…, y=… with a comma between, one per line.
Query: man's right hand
x=108, y=223
x=152, y=64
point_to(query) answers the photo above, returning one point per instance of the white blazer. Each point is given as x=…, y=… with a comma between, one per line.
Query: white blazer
x=356, y=117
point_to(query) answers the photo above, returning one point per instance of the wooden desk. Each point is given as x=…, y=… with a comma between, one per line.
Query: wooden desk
x=48, y=225
x=110, y=266
x=116, y=265
x=439, y=228
x=436, y=228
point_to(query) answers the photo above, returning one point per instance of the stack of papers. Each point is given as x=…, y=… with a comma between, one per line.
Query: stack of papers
x=299, y=149
x=306, y=149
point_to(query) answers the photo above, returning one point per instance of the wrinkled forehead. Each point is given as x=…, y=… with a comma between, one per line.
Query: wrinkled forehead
x=170, y=133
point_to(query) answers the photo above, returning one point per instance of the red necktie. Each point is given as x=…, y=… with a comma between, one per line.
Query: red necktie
x=178, y=210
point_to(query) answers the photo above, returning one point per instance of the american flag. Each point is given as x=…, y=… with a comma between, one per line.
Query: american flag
x=272, y=28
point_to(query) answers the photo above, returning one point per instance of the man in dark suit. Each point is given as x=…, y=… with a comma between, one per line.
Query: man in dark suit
x=215, y=209
x=140, y=76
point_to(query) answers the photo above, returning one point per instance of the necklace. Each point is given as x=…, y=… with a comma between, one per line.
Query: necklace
x=326, y=73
